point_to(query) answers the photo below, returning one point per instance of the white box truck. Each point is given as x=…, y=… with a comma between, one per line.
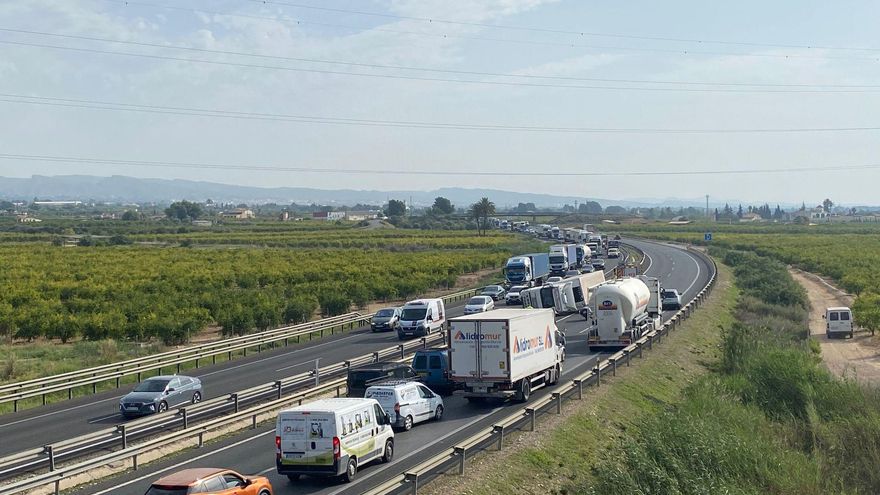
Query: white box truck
x=623, y=312
x=559, y=260
x=505, y=353
x=332, y=437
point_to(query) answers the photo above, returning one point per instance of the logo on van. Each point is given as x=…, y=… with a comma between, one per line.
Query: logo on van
x=477, y=336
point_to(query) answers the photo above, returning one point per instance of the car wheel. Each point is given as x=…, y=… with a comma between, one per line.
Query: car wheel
x=438, y=413
x=350, y=471
x=163, y=406
x=293, y=477
x=408, y=423
x=264, y=492
x=388, y=454
x=196, y=398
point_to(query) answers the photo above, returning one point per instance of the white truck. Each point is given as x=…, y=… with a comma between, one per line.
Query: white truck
x=624, y=310
x=559, y=259
x=505, y=353
x=571, y=295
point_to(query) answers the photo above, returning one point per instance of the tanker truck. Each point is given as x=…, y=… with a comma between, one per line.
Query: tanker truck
x=623, y=311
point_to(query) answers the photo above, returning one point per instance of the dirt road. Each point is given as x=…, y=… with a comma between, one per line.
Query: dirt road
x=857, y=358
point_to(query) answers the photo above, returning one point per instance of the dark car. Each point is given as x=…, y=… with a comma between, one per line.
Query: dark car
x=157, y=394
x=671, y=299
x=496, y=292
x=599, y=264
x=363, y=376
x=386, y=319
x=432, y=365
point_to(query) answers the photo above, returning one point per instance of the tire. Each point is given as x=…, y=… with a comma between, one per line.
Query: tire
x=407, y=423
x=196, y=398
x=163, y=406
x=350, y=471
x=388, y=453
x=557, y=372
x=264, y=492
x=850, y=335
x=293, y=477
x=438, y=413
x=525, y=391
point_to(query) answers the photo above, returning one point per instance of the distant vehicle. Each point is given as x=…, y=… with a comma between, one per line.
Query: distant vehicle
x=588, y=269
x=671, y=299
x=559, y=260
x=387, y=319
x=599, y=264
x=432, y=366
x=527, y=269
x=332, y=437
x=614, y=253
x=838, y=321
x=421, y=317
x=496, y=292
x=614, y=243
x=553, y=280
x=406, y=402
x=572, y=273
x=361, y=377
x=512, y=296
x=210, y=481
x=479, y=304
x=157, y=394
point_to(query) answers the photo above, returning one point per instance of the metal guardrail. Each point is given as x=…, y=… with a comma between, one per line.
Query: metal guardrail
x=227, y=406
x=455, y=459
x=41, y=387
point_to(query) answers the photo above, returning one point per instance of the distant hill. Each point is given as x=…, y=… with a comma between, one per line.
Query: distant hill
x=120, y=188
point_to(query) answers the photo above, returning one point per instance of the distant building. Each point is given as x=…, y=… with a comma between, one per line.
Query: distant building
x=819, y=215
x=58, y=203
x=202, y=223
x=284, y=216
x=358, y=216
x=239, y=213
x=750, y=217
x=328, y=215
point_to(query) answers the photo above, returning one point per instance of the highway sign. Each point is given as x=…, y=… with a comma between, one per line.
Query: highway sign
x=707, y=236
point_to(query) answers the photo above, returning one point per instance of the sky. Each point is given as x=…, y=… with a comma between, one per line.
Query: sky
x=264, y=84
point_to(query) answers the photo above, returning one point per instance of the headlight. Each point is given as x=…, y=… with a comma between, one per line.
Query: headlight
x=152, y=406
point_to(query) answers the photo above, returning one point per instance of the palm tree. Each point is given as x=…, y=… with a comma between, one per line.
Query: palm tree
x=480, y=211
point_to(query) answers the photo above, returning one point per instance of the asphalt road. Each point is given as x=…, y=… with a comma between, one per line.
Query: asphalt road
x=252, y=451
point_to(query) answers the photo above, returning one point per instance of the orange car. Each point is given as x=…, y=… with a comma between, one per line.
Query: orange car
x=210, y=481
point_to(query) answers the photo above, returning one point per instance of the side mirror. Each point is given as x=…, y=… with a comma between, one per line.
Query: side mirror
x=386, y=419
x=248, y=482
x=170, y=390
x=430, y=318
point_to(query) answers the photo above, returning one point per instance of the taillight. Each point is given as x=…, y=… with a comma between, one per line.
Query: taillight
x=277, y=447
x=336, y=448
x=397, y=408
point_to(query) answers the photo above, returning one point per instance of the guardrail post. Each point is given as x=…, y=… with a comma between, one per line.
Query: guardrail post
x=213, y=359
x=424, y=343
x=121, y=430
x=254, y=422
x=531, y=413
x=558, y=398
x=94, y=387
x=185, y=418
x=613, y=367
x=402, y=352
x=117, y=382
x=376, y=357
x=229, y=356
x=197, y=363
x=50, y=451
x=134, y=462
x=462, y=453
x=139, y=376
x=650, y=341
x=499, y=429
x=580, y=388
x=278, y=386
x=317, y=372
x=234, y=398
x=201, y=439
x=598, y=372
x=414, y=479
x=639, y=347
x=15, y=405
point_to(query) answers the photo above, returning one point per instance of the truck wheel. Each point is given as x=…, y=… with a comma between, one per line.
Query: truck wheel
x=850, y=334
x=557, y=372
x=525, y=391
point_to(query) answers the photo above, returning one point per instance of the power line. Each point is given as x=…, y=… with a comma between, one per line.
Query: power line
x=429, y=79
x=434, y=20
x=203, y=112
x=409, y=171
x=425, y=69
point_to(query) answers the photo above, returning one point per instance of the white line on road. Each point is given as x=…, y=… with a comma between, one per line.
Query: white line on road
x=650, y=262
x=102, y=419
x=310, y=361
x=58, y=412
x=697, y=278
x=154, y=473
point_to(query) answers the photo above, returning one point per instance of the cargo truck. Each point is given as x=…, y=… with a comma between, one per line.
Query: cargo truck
x=624, y=310
x=527, y=269
x=506, y=353
x=559, y=260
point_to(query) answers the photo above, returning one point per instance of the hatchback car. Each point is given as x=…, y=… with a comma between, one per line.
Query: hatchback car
x=671, y=299
x=512, y=296
x=210, y=481
x=496, y=292
x=157, y=394
x=479, y=304
x=588, y=269
x=599, y=264
x=387, y=319
x=406, y=403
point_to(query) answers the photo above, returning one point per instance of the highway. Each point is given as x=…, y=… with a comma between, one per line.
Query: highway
x=252, y=451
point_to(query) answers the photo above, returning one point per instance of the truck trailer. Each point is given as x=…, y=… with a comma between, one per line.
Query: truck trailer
x=624, y=310
x=505, y=353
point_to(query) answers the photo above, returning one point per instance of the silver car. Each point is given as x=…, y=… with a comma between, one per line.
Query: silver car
x=157, y=394
x=386, y=319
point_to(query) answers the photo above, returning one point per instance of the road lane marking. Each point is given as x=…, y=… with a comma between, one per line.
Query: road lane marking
x=58, y=412
x=102, y=419
x=697, y=278
x=310, y=361
x=154, y=473
x=650, y=262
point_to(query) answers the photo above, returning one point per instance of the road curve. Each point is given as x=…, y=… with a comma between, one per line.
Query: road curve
x=252, y=451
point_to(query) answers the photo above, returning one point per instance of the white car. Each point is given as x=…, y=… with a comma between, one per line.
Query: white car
x=406, y=403
x=479, y=304
x=512, y=296
x=614, y=253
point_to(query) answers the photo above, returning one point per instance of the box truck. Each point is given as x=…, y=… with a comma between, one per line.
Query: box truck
x=624, y=310
x=559, y=263
x=506, y=353
x=527, y=269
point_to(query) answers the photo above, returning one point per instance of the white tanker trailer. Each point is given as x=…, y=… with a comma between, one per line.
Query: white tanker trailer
x=624, y=310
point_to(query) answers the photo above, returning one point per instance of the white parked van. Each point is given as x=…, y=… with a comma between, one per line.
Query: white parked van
x=332, y=437
x=421, y=317
x=406, y=403
x=838, y=321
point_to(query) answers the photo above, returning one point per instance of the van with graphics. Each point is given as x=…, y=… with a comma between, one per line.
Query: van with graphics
x=421, y=317
x=505, y=353
x=332, y=437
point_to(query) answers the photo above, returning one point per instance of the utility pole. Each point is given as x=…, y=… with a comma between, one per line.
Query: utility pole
x=707, y=207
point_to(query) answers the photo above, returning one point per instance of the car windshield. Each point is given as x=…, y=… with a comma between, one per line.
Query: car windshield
x=669, y=293
x=414, y=314
x=385, y=312
x=420, y=362
x=516, y=289
x=492, y=288
x=476, y=301
x=151, y=386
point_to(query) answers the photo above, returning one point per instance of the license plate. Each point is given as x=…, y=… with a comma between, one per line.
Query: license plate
x=293, y=456
x=132, y=408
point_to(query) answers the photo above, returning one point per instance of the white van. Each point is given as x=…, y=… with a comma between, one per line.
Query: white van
x=838, y=321
x=406, y=402
x=421, y=317
x=332, y=437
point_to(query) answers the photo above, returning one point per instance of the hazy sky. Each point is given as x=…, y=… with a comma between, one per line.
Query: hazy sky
x=275, y=84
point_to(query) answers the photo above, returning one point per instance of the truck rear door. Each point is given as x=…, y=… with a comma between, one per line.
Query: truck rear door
x=493, y=350
x=464, y=363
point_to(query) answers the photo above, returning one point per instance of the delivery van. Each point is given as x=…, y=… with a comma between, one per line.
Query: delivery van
x=422, y=317
x=838, y=321
x=406, y=402
x=332, y=437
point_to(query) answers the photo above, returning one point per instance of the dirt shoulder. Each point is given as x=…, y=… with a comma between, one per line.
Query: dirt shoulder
x=857, y=358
